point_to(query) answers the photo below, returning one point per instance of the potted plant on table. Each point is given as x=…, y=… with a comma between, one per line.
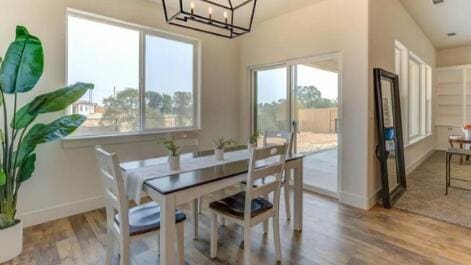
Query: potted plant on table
x=253, y=139
x=173, y=152
x=221, y=143
x=19, y=72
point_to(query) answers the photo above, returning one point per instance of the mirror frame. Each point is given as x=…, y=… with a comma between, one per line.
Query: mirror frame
x=389, y=197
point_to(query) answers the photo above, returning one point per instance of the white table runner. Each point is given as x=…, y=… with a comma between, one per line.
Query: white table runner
x=135, y=178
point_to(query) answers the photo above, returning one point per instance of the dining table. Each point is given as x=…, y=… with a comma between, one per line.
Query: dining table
x=200, y=174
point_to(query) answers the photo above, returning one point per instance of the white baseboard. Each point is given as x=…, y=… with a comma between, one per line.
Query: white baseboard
x=354, y=200
x=60, y=211
x=419, y=161
x=321, y=191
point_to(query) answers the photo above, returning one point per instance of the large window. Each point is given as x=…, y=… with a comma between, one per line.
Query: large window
x=144, y=80
x=416, y=94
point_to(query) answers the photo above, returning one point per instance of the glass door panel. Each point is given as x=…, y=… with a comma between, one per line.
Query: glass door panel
x=315, y=110
x=271, y=93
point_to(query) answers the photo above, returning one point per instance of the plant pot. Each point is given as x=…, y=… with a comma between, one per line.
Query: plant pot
x=11, y=242
x=174, y=162
x=251, y=146
x=219, y=154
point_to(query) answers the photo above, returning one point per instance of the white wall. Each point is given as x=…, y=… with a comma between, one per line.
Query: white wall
x=325, y=27
x=454, y=56
x=389, y=21
x=66, y=180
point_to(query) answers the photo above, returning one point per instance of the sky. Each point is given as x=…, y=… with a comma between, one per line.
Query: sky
x=108, y=56
x=272, y=83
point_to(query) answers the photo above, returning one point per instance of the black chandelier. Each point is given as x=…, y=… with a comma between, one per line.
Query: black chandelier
x=225, y=18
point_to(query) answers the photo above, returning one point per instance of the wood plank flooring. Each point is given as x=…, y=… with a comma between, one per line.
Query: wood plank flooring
x=333, y=234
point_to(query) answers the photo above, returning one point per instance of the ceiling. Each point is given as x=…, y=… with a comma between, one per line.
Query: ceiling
x=439, y=20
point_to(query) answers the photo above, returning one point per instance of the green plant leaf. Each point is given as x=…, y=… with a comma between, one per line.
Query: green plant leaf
x=22, y=118
x=42, y=133
x=27, y=168
x=50, y=102
x=23, y=63
x=3, y=178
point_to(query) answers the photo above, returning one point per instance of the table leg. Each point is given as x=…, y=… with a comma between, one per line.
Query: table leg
x=447, y=174
x=196, y=217
x=167, y=230
x=461, y=157
x=298, y=196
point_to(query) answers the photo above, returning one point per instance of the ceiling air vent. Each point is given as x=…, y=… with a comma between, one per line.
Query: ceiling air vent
x=451, y=34
x=436, y=2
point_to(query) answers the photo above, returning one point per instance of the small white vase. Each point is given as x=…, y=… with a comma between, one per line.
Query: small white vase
x=251, y=146
x=11, y=242
x=219, y=154
x=174, y=162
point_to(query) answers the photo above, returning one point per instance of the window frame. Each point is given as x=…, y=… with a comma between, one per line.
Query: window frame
x=425, y=93
x=143, y=32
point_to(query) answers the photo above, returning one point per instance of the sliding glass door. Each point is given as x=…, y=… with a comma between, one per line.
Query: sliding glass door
x=271, y=95
x=303, y=96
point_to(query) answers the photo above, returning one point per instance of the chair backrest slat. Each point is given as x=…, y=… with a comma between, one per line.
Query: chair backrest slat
x=272, y=159
x=115, y=197
x=286, y=137
x=265, y=171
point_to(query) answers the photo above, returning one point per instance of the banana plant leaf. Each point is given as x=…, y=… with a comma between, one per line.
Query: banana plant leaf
x=27, y=168
x=23, y=63
x=43, y=133
x=50, y=102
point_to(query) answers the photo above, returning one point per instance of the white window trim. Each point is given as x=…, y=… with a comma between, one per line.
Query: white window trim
x=404, y=87
x=143, y=31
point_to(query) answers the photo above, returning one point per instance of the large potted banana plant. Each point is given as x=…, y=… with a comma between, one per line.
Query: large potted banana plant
x=20, y=70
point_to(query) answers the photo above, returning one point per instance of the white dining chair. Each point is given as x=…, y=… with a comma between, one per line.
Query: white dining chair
x=251, y=207
x=277, y=137
x=126, y=224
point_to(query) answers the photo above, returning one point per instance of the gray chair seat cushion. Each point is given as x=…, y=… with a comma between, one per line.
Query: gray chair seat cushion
x=146, y=218
x=235, y=205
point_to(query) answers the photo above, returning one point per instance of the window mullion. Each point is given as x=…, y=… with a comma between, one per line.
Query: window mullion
x=142, y=78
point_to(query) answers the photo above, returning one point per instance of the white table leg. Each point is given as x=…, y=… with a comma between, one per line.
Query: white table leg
x=298, y=196
x=167, y=230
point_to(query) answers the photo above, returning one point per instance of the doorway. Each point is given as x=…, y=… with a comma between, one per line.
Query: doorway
x=303, y=96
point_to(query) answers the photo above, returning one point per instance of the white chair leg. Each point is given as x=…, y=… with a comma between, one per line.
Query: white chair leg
x=109, y=248
x=195, y=217
x=276, y=237
x=287, y=198
x=124, y=247
x=214, y=235
x=181, y=243
x=200, y=205
x=247, y=244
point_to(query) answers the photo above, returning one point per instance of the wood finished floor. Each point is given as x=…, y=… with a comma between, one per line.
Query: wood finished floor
x=333, y=234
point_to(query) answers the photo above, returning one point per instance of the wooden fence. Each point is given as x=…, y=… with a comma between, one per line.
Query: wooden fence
x=317, y=120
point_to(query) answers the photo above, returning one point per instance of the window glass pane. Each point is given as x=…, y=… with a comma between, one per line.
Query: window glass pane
x=414, y=99
x=272, y=109
x=107, y=56
x=168, y=83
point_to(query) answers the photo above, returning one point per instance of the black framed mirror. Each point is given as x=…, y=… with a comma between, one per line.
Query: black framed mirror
x=390, y=148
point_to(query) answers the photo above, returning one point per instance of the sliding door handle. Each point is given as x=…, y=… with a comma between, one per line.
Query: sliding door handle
x=337, y=125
